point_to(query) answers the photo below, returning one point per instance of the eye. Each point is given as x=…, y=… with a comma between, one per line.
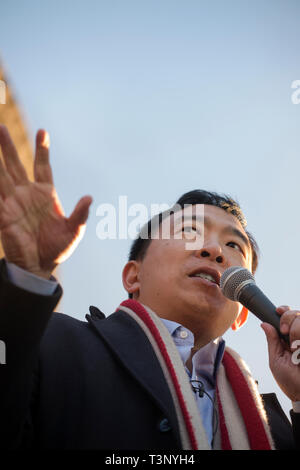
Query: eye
x=190, y=229
x=236, y=246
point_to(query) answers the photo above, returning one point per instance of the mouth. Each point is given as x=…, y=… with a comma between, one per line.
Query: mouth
x=207, y=275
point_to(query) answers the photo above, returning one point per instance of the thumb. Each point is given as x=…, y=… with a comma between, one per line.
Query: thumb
x=80, y=213
x=275, y=346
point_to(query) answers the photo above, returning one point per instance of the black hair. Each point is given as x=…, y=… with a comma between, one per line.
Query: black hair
x=198, y=196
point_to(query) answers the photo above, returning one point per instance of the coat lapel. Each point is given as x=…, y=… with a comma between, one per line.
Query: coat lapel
x=130, y=344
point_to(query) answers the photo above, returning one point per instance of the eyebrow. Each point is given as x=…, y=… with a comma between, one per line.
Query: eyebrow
x=228, y=229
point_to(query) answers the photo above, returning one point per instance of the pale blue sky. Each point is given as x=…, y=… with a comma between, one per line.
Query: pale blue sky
x=151, y=99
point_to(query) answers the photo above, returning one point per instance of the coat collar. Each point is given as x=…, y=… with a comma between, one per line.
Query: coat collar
x=131, y=346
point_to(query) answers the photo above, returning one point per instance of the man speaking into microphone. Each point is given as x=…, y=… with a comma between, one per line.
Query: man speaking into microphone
x=156, y=373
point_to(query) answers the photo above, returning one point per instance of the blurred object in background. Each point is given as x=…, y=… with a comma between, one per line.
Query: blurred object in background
x=11, y=116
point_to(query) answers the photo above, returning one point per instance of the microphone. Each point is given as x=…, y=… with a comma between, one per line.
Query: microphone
x=199, y=387
x=238, y=284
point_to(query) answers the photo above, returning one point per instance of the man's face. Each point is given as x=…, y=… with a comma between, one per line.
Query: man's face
x=168, y=277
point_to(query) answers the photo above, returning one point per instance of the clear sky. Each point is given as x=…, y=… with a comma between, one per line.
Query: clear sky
x=150, y=99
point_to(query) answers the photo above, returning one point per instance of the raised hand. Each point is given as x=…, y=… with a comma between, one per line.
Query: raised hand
x=35, y=233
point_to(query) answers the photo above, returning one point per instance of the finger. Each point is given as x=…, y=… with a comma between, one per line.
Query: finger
x=3, y=214
x=287, y=321
x=282, y=309
x=2, y=206
x=42, y=168
x=295, y=330
x=10, y=155
x=6, y=182
x=275, y=346
x=80, y=213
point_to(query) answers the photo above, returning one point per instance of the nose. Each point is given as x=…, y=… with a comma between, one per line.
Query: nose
x=213, y=251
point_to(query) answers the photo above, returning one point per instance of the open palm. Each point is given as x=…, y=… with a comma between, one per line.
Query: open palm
x=35, y=233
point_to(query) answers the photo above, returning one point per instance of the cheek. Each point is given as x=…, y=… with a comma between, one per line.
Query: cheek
x=236, y=257
x=163, y=266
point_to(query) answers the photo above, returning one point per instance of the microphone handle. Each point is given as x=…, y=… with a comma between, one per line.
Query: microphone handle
x=256, y=301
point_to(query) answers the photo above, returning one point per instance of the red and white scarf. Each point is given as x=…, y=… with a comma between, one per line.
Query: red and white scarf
x=242, y=420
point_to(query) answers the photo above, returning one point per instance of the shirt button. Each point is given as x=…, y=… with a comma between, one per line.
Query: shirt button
x=183, y=334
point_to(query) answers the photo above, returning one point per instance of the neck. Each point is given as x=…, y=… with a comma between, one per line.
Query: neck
x=201, y=332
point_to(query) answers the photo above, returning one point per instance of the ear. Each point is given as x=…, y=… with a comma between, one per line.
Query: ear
x=130, y=277
x=241, y=319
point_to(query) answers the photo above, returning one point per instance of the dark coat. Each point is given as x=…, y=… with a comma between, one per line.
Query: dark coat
x=95, y=384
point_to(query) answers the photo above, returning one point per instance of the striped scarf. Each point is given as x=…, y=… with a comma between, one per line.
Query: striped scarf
x=242, y=419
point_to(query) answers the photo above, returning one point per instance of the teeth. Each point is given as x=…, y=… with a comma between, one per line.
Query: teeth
x=208, y=277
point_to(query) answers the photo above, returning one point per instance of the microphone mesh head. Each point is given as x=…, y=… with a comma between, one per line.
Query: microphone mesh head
x=232, y=279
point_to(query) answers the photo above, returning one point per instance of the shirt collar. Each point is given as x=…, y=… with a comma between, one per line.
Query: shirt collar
x=206, y=360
